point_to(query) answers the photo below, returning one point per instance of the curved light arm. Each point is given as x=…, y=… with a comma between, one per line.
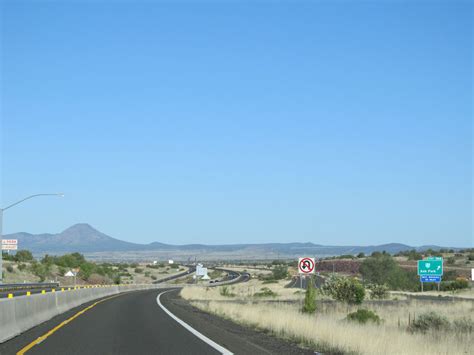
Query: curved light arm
x=27, y=198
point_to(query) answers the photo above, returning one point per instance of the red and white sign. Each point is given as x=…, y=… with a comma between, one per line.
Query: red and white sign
x=306, y=265
x=9, y=241
x=9, y=247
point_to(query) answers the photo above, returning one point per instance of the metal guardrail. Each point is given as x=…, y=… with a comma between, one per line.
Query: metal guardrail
x=27, y=286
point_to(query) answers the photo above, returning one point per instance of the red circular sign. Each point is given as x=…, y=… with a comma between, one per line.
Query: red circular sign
x=306, y=265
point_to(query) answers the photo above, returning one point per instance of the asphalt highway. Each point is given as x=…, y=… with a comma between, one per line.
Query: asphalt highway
x=130, y=323
x=135, y=323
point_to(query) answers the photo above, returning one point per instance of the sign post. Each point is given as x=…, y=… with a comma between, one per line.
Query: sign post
x=306, y=266
x=9, y=244
x=430, y=270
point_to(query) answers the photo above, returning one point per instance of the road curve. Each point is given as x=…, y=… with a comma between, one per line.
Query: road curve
x=135, y=323
x=130, y=323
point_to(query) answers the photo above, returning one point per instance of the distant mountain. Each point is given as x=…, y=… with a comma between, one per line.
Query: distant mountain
x=80, y=237
x=85, y=239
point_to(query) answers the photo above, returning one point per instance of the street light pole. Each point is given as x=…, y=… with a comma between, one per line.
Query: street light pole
x=1, y=223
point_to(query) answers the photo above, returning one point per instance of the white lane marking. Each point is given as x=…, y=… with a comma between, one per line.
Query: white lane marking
x=205, y=339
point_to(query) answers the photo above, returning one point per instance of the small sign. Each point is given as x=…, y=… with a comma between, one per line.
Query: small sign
x=472, y=274
x=9, y=241
x=200, y=270
x=429, y=278
x=306, y=265
x=9, y=247
x=433, y=267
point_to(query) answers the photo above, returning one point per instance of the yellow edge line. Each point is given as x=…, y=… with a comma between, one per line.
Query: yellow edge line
x=52, y=331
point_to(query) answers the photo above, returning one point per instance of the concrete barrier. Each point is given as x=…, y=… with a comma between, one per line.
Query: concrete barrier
x=19, y=314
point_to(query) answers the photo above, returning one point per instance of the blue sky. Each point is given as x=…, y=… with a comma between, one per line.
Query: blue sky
x=331, y=122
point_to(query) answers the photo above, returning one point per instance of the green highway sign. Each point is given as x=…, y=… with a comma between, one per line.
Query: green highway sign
x=432, y=267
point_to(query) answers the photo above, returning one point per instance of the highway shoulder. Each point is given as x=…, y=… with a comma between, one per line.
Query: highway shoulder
x=237, y=338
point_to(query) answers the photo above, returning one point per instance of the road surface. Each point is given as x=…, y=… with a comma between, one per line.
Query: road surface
x=134, y=323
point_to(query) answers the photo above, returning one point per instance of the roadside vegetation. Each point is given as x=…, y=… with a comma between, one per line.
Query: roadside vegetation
x=23, y=267
x=371, y=311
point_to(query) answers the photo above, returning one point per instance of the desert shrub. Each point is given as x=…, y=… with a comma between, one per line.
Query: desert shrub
x=458, y=284
x=23, y=255
x=309, y=305
x=153, y=277
x=280, y=272
x=9, y=268
x=147, y=273
x=269, y=281
x=464, y=325
x=363, y=316
x=451, y=260
x=361, y=255
x=174, y=266
x=344, y=289
x=346, y=256
x=383, y=269
x=378, y=291
x=21, y=267
x=450, y=275
x=265, y=292
x=470, y=256
x=226, y=291
x=40, y=270
x=8, y=257
x=430, y=321
x=138, y=270
x=97, y=279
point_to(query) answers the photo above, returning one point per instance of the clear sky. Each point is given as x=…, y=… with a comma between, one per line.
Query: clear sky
x=234, y=122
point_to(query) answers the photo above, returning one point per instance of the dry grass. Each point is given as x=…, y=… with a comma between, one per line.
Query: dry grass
x=327, y=331
x=245, y=292
x=466, y=293
x=18, y=276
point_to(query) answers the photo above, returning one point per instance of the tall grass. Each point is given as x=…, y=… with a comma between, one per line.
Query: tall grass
x=327, y=330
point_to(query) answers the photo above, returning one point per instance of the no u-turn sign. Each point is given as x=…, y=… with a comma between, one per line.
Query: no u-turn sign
x=306, y=265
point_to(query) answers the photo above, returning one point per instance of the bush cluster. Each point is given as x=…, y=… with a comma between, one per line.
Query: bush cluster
x=226, y=291
x=382, y=269
x=363, y=316
x=378, y=291
x=265, y=292
x=344, y=289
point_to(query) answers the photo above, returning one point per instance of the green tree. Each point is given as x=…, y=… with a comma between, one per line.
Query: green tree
x=280, y=272
x=23, y=255
x=309, y=305
x=383, y=269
